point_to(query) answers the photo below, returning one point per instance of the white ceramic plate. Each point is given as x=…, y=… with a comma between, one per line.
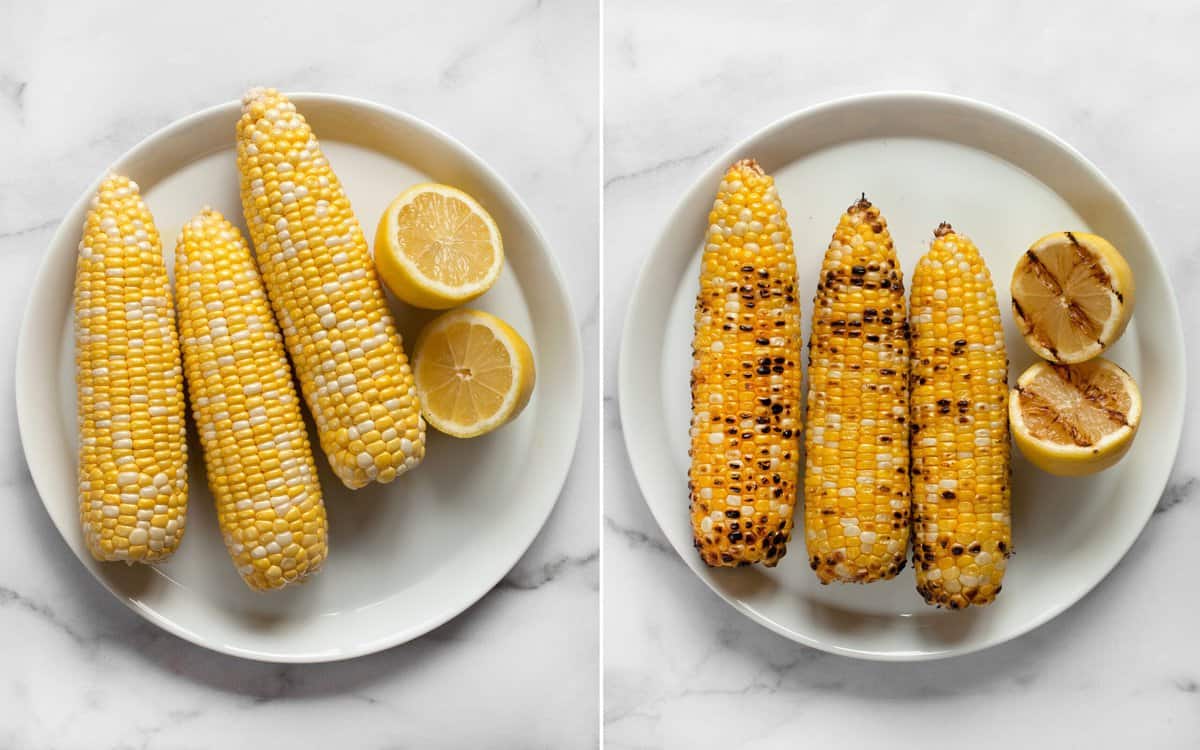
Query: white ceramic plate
x=404, y=557
x=922, y=158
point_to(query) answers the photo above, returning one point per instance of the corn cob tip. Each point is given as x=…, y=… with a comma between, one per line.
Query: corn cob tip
x=262, y=102
x=116, y=180
x=196, y=223
x=943, y=229
x=860, y=205
x=255, y=93
x=113, y=181
x=749, y=164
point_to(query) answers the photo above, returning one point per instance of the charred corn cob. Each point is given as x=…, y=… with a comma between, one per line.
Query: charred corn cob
x=321, y=281
x=256, y=452
x=856, y=489
x=745, y=428
x=132, y=447
x=962, y=533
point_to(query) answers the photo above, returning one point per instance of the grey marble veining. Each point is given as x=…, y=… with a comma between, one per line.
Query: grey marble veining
x=80, y=83
x=686, y=80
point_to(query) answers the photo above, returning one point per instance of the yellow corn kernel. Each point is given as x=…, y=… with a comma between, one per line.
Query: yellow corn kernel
x=856, y=480
x=132, y=447
x=256, y=451
x=322, y=284
x=962, y=531
x=745, y=430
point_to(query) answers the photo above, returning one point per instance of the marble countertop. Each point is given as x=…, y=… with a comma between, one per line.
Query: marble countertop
x=82, y=83
x=683, y=83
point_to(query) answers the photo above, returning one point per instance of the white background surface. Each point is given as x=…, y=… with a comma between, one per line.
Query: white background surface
x=683, y=82
x=81, y=83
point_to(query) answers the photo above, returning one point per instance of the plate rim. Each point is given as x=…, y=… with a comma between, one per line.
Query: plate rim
x=702, y=184
x=573, y=344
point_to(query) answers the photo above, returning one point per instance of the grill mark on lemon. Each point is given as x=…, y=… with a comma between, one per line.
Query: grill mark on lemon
x=1031, y=328
x=1092, y=261
x=1078, y=317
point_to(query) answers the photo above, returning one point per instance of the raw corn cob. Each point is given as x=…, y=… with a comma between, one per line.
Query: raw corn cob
x=132, y=447
x=856, y=489
x=745, y=430
x=962, y=532
x=256, y=452
x=322, y=284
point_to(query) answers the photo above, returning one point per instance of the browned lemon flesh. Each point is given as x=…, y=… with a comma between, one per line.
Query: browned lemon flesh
x=1075, y=419
x=1072, y=296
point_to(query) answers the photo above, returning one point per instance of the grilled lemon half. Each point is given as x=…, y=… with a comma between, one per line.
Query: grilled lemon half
x=1072, y=296
x=1073, y=420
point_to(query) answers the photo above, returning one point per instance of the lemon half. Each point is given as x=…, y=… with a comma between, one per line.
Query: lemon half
x=473, y=373
x=436, y=247
x=1073, y=420
x=1072, y=296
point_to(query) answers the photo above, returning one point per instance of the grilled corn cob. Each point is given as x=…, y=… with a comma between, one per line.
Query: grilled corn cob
x=962, y=533
x=856, y=486
x=321, y=281
x=745, y=377
x=132, y=447
x=260, y=466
